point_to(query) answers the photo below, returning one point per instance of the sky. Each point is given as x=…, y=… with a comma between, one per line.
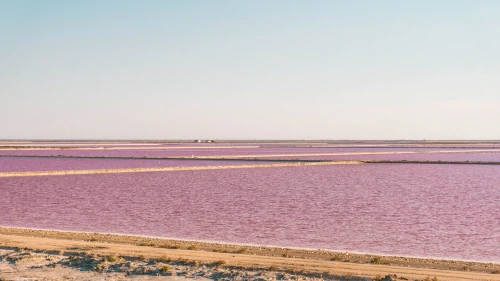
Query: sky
x=255, y=69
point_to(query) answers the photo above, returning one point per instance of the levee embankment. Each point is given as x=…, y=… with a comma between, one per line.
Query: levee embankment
x=166, y=169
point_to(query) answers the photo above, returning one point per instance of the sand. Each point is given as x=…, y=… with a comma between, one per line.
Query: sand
x=57, y=255
x=113, y=146
x=166, y=169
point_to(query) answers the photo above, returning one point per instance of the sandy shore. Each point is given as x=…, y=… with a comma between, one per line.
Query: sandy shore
x=53, y=254
x=166, y=169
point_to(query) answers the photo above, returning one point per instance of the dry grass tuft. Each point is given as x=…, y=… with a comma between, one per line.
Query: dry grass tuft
x=220, y=263
x=165, y=268
x=164, y=258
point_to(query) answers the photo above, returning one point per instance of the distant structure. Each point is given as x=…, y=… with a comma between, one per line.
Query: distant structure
x=200, y=141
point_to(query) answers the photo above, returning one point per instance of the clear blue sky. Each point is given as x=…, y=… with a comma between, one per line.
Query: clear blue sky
x=250, y=69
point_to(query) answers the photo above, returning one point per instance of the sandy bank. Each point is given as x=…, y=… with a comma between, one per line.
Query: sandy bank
x=166, y=169
x=105, y=146
x=237, y=260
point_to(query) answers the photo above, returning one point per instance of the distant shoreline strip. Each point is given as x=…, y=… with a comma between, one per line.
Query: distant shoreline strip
x=167, y=169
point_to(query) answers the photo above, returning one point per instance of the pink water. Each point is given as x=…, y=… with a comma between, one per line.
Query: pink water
x=444, y=211
x=18, y=164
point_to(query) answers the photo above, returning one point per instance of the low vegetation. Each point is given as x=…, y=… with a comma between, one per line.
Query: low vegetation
x=241, y=250
x=219, y=263
x=165, y=268
x=112, y=258
x=170, y=246
x=336, y=258
x=164, y=258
